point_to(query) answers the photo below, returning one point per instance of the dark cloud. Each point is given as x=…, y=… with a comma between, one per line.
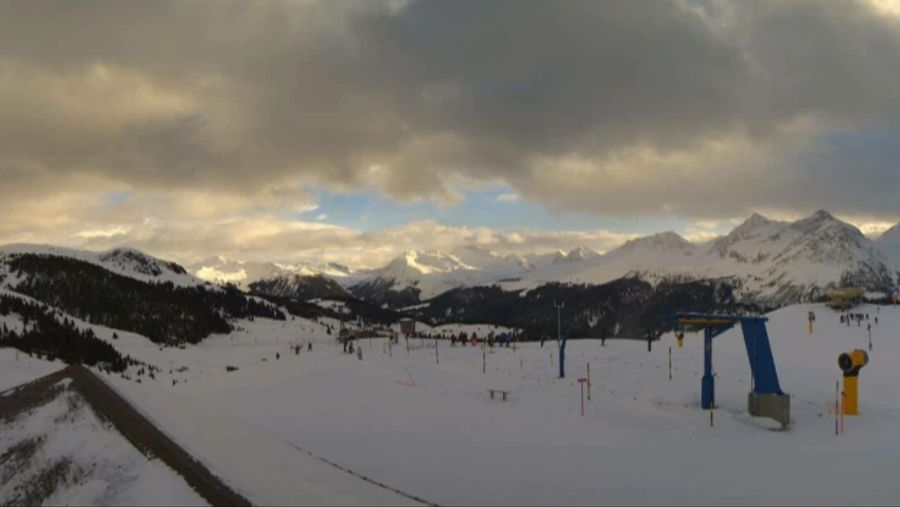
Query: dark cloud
x=622, y=107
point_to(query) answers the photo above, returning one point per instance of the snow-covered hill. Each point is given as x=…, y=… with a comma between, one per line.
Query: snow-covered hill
x=889, y=243
x=122, y=261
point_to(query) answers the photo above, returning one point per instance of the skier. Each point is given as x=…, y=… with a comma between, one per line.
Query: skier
x=543, y=338
x=309, y=347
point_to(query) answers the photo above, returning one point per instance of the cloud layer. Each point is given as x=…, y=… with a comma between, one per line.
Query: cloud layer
x=117, y=117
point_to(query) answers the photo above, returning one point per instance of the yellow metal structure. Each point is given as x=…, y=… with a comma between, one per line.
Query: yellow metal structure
x=850, y=363
x=851, y=395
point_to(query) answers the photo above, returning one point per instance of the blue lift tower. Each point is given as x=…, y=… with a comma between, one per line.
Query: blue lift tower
x=766, y=399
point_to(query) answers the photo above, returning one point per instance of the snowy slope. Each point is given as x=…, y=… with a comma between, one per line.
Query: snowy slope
x=420, y=421
x=18, y=368
x=123, y=261
x=889, y=243
x=59, y=452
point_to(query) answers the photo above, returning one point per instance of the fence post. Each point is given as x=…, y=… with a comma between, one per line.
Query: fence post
x=589, y=380
x=670, y=362
x=483, y=360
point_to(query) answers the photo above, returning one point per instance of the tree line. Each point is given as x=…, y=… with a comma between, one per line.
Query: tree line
x=44, y=333
x=162, y=312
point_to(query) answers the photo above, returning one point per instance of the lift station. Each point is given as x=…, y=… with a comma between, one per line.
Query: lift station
x=766, y=399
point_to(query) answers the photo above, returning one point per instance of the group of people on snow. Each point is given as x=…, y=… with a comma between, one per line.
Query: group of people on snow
x=848, y=318
x=502, y=339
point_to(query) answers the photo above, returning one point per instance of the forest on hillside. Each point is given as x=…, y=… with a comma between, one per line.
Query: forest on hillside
x=162, y=312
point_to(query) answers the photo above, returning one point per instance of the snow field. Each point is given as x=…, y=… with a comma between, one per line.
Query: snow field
x=18, y=368
x=430, y=430
x=98, y=466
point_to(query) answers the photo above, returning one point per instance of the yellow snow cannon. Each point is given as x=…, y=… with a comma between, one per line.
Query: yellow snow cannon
x=850, y=363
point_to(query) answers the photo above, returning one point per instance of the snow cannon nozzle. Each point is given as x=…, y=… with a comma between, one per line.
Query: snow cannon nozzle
x=853, y=361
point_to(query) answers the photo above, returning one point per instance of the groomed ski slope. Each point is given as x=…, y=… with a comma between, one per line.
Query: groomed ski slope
x=429, y=430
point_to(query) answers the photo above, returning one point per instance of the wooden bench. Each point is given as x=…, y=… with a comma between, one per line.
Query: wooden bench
x=503, y=393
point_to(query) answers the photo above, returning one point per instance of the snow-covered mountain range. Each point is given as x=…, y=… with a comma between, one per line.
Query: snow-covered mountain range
x=767, y=261
x=243, y=273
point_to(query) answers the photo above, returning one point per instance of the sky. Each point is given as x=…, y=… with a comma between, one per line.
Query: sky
x=350, y=131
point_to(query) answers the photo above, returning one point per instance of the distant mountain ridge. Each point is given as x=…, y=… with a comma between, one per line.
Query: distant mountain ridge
x=223, y=270
x=768, y=262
